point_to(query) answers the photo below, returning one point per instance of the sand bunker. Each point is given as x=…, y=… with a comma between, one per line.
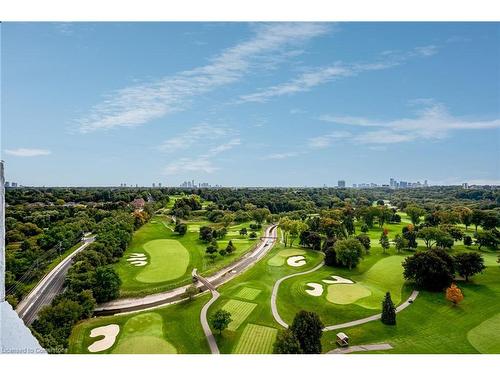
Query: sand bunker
x=109, y=332
x=337, y=280
x=139, y=263
x=316, y=291
x=296, y=261
x=137, y=259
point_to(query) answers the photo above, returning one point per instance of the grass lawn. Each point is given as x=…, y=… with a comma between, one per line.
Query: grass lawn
x=256, y=333
x=433, y=325
x=239, y=311
x=168, y=260
x=172, y=257
x=256, y=339
x=171, y=329
x=143, y=334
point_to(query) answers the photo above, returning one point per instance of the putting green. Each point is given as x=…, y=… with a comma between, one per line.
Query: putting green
x=256, y=339
x=168, y=260
x=239, y=311
x=384, y=276
x=279, y=259
x=143, y=334
x=248, y=293
x=344, y=294
x=484, y=337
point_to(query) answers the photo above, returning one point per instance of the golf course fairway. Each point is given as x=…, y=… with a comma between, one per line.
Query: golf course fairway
x=143, y=334
x=169, y=260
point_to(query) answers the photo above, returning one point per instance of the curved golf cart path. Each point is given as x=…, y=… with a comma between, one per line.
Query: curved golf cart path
x=49, y=286
x=175, y=295
x=352, y=323
x=214, y=349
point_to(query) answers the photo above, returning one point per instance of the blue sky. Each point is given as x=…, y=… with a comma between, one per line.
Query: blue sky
x=250, y=104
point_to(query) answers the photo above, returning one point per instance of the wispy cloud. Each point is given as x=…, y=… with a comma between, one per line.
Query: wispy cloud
x=325, y=140
x=281, y=156
x=195, y=135
x=139, y=104
x=204, y=142
x=28, y=152
x=320, y=75
x=432, y=122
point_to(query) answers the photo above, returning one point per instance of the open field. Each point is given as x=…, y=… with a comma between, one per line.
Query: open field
x=239, y=311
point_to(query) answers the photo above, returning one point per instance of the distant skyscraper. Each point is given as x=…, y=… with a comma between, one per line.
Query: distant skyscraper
x=392, y=183
x=159, y=184
x=341, y=184
x=7, y=183
x=465, y=185
x=154, y=184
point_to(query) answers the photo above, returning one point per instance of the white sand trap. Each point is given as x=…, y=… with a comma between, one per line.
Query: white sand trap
x=316, y=291
x=137, y=258
x=139, y=263
x=137, y=255
x=109, y=332
x=338, y=280
x=296, y=261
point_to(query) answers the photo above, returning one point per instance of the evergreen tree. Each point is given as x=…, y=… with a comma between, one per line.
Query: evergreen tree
x=388, y=311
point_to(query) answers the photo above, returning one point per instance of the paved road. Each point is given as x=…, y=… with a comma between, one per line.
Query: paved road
x=174, y=295
x=360, y=348
x=281, y=322
x=46, y=290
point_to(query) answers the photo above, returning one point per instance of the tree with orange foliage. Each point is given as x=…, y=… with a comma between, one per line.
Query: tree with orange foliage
x=454, y=294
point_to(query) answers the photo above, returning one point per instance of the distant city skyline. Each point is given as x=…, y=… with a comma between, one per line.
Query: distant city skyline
x=250, y=104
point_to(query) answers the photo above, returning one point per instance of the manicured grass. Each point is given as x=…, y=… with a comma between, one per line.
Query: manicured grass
x=239, y=311
x=485, y=336
x=256, y=339
x=280, y=258
x=143, y=334
x=262, y=277
x=180, y=329
x=168, y=260
x=433, y=325
x=344, y=294
x=384, y=276
x=167, y=266
x=248, y=293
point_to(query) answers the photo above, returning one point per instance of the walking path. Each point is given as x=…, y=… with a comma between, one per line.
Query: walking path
x=361, y=348
x=281, y=322
x=203, y=315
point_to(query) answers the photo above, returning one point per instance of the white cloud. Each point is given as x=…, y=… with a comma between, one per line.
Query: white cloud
x=281, y=156
x=199, y=164
x=197, y=134
x=432, y=122
x=321, y=75
x=136, y=105
x=28, y=152
x=326, y=140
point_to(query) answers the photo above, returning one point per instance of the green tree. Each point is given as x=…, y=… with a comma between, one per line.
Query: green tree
x=476, y=218
x=220, y=320
x=107, y=284
x=230, y=248
x=414, y=212
x=308, y=329
x=388, y=311
x=243, y=231
x=191, y=291
x=349, y=252
x=431, y=270
x=180, y=228
x=286, y=343
x=384, y=241
x=469, y=264
x=400, y=242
